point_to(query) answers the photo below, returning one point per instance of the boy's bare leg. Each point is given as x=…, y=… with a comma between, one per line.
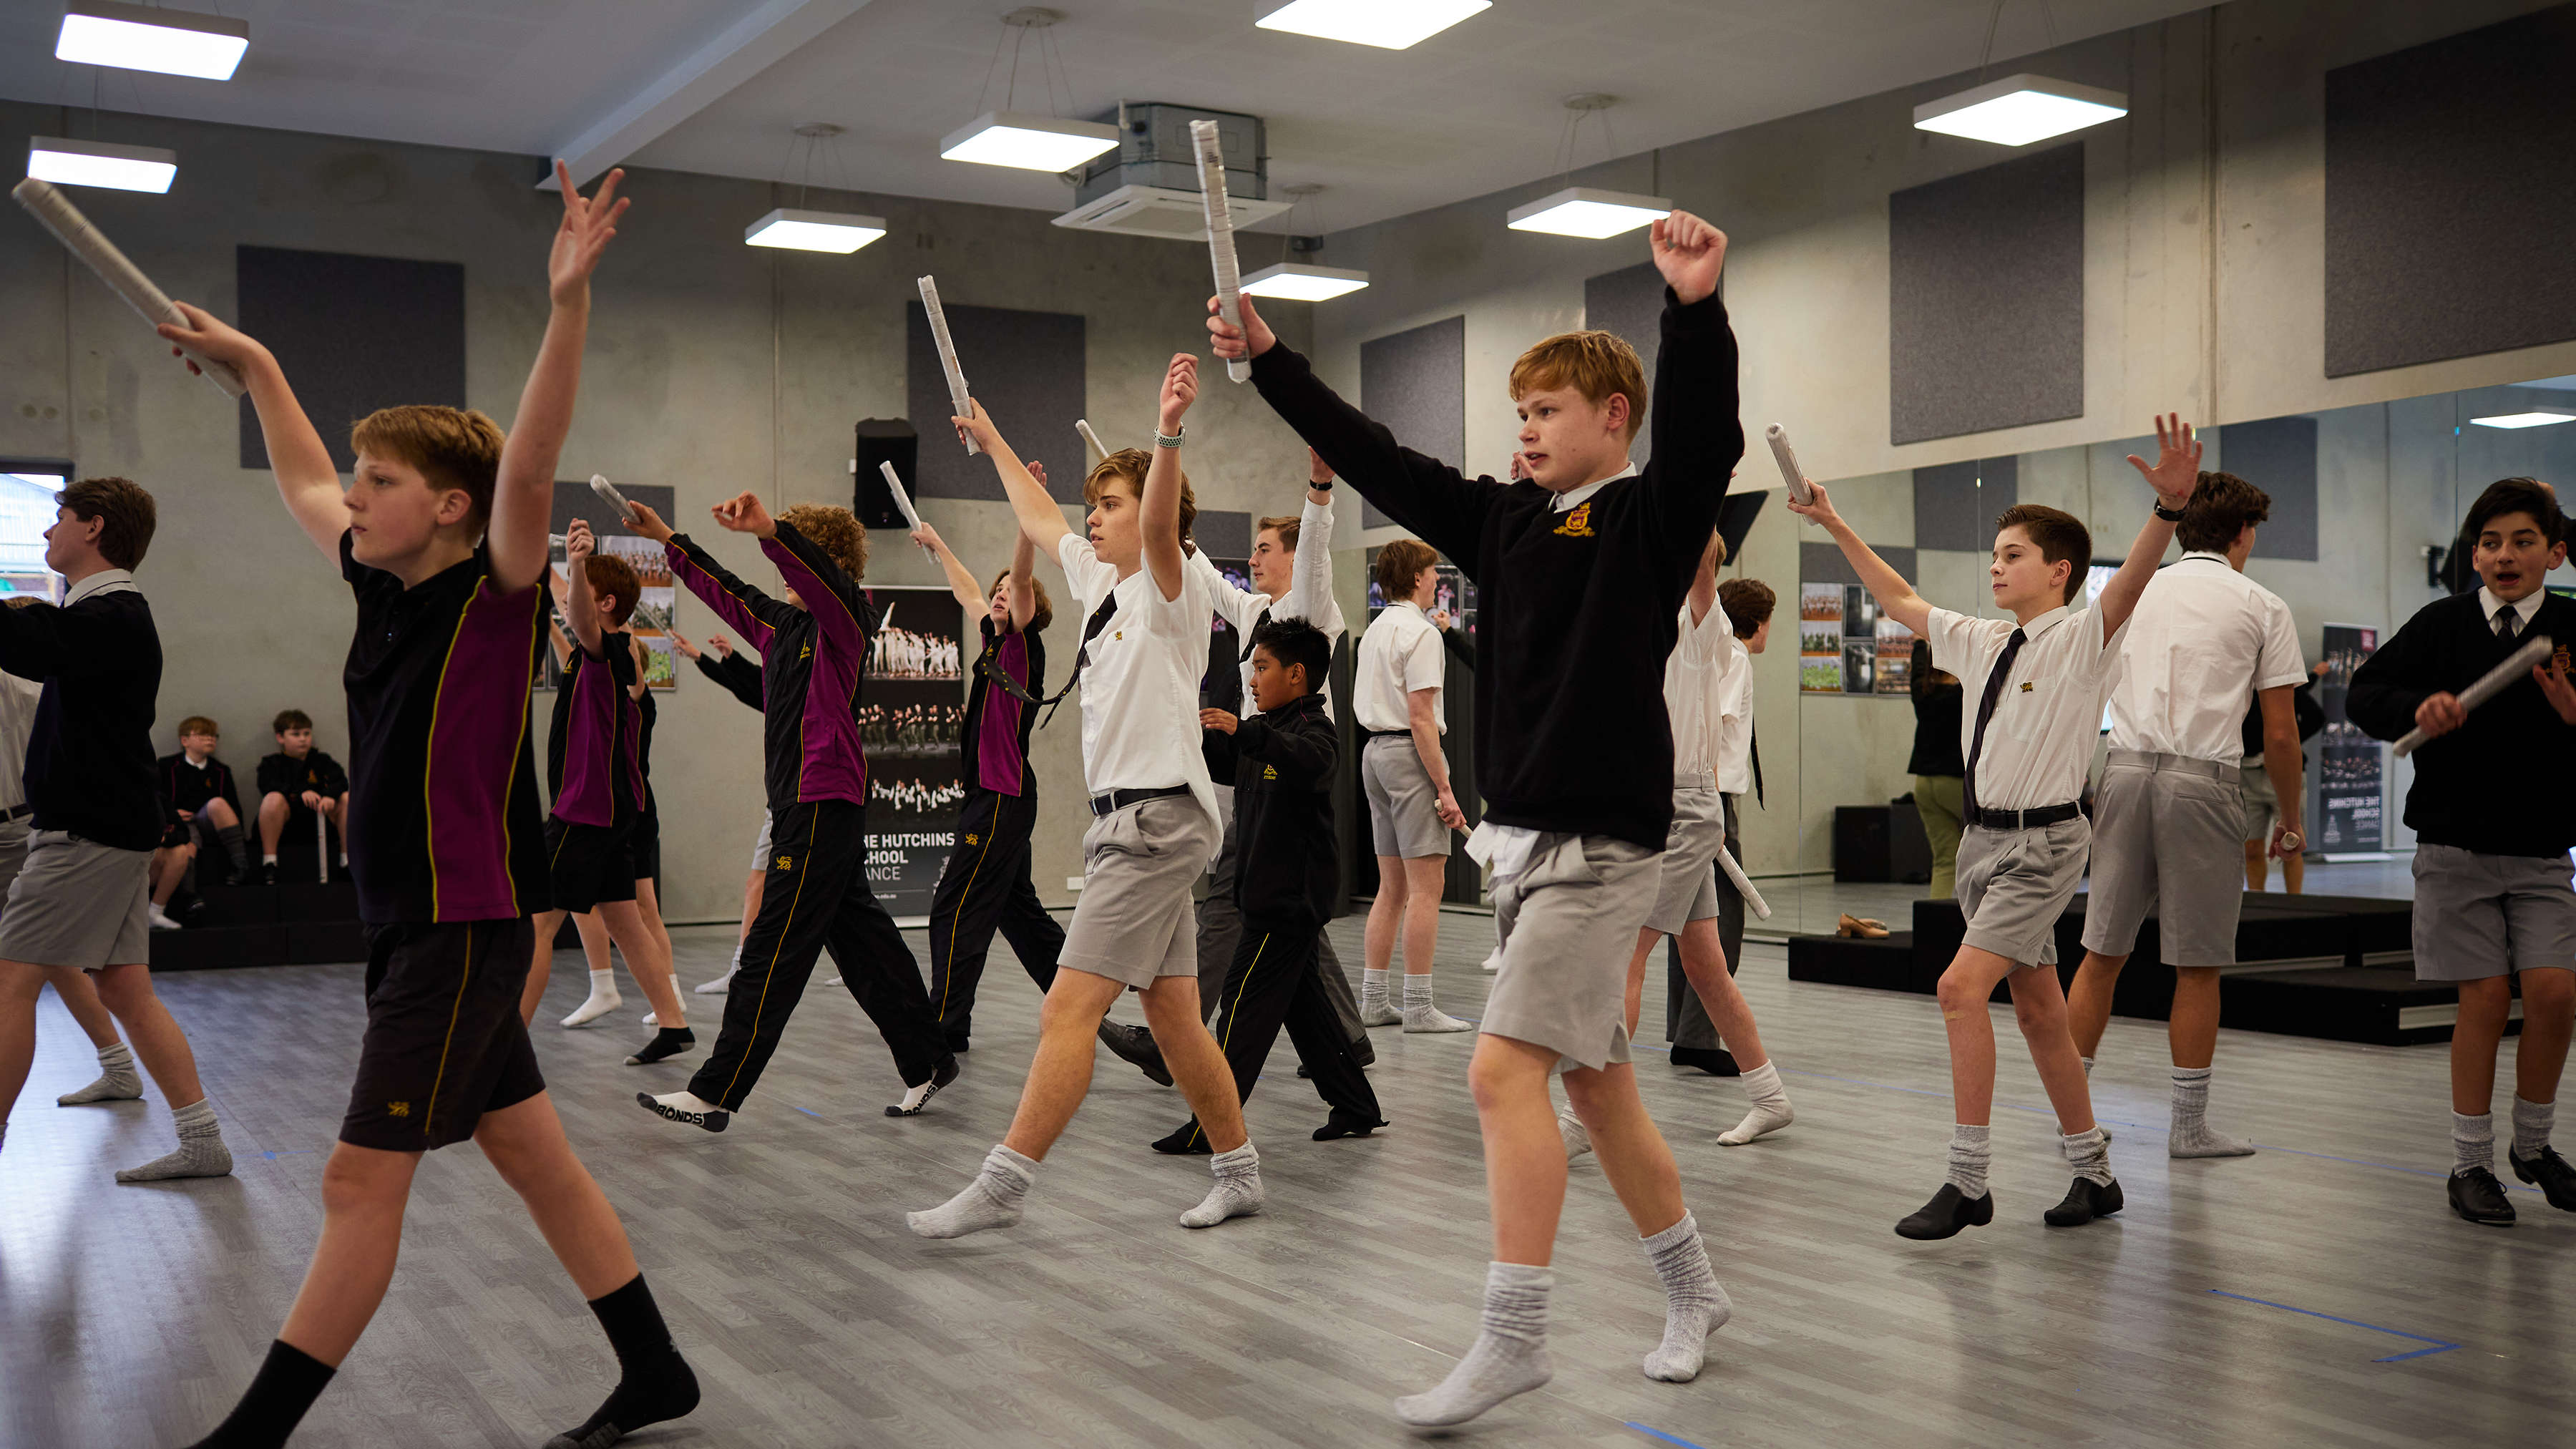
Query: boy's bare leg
x=540, y=964
x=117, y=1079
x=272, y=822
x=603, y=996
x=2039, y=1006
x=1377, y=943
x=1197, y=1063
x=1963, y=1200
x=2258, y=865
x=364, y=1190
x=2088, y=1004
x=1640, y=1167
x=648, y=957
x=169, y=867
x=2548, y=1024
x=163, y=1047
x=1424, y=879
x=20, y=985
x=1704, y=964
x=750, y=911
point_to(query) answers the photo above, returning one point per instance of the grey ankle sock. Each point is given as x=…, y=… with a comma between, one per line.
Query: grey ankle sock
x=2089, y=1152
x=1695, y=1304
x=117, y=1080
x=2192, y=1135
x=1236, y=1193
x=1971, y=1148
x=201, y=1151
x=1578, y=1138
x=2472, y=1142
x=992, y=1200
x=2531, y=1122
x=1509, y=1356
x=2088, y=1068
x=1421, y=1015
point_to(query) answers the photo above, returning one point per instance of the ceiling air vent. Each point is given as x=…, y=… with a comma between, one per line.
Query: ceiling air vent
x=1161, y=211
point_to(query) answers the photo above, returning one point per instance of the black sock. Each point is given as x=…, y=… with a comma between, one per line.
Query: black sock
x=1186, y=1141
x=230, y=838
x=653, y=1381
x=285, y=1386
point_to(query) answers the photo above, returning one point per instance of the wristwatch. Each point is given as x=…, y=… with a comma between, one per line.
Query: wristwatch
x=1173, y=440
x=2169, y=515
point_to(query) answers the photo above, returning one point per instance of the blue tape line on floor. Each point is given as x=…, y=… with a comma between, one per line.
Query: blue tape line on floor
x=2440, y=1345
x=1660, y=1434
x=810, y=1112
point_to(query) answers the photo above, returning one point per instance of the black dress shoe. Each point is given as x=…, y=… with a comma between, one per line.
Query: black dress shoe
x=1716, y=1061
x=1186, y=1141
x=1341, y=1124
x=940, y=1076
x=958, y=1041
x=2085, y=1201
x=2477, y=1196
x=1135, y=1046
x=1947, y=1212
x=268, y=875
x=2557, y=1180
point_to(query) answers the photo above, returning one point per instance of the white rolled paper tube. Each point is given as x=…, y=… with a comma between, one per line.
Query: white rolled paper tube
x=959, y=400
x=1220, y=230
x=902, y=500
x=1787, y=458
x=2516, y=666
x=55, y=212
x=609, y=495
x=1099, y=450
x=1743, y=886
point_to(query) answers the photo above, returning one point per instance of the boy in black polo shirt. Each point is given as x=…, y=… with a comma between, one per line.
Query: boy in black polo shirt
x=2492, y=903
x=442, y=536
x=1582, y=570
x=296, y=784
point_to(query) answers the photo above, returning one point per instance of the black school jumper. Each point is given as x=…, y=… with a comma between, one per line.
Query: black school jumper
x=2514, y=744
x=1283, y=770
x=985, y=885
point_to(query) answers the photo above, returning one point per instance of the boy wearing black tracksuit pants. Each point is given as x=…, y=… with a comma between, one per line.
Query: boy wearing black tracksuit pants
x=1283, y=773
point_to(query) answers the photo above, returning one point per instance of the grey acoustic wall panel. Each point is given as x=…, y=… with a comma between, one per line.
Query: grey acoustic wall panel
x=354, y=334
x=1955, y=504
x=1630, y=302
x=1985, y=298
x=1415, y=382
x=1026, y=368
x=1223, y=534
x=1823, y=563
x=2447, y=204
x=2279, y=456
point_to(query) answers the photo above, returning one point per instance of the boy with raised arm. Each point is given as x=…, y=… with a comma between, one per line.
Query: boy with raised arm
x=443, y=539
x=2039, y=682
x=1153, y=815
x=2493, y=819
x=1397, y=684
x=814, y=646
x=1574, y=758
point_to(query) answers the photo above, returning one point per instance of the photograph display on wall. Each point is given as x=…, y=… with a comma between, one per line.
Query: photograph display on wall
x=1848, y=645
x=1820, y=638
x=2350, y=806
x=912, y=713
x=657, y=596
x=1895, y=657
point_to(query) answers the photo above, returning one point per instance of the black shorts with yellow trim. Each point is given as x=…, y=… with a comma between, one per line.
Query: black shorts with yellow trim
x=444, y=1042
x=646, y=850
x=589, y=865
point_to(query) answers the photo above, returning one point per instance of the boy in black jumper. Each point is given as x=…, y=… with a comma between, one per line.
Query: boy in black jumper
x=1282, y=767
x=2492, y=903
x=442, y=537
x=201, y=788
x=296, y=784
x=1582, y=570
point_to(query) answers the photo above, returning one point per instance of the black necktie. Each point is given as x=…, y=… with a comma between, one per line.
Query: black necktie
x=2508, y=622
x=1985, y=714
x=1754, y=738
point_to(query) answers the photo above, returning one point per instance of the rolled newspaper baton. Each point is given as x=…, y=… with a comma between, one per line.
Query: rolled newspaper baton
x=1788, y=461
x=1220, y=230
x=1743, y=886
x=1099, y=450
x=959, y=400
x=609, y=495
x=2516, y=666
x=322, y=846
x=903, y=503
x=55, y=213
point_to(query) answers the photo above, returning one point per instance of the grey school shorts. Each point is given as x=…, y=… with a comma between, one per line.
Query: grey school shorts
x=78, y=903
x=2262, y=803
x=1567, y=925
x=2014, y=884
x=1135, y=921
x=2479, y=915
x=1686, y=883
x=13, y=856
x=760, y=847
x=2167, y=837
x=1404, y=806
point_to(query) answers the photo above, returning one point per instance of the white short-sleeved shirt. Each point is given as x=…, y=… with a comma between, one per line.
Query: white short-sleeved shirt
x=18, y=701
x=2046, y=721
x=1690, y=690
x=2202, y=636
x=1309, y=597
x=1731, y=704
x=1399, y=654
x=1140, y=692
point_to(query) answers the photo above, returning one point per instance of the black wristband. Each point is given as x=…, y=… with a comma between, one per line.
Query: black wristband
x=2169, y=515
x=1324, y=487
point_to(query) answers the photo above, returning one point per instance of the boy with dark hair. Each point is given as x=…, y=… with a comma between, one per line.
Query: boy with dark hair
x=82, y=897
x=2493, y=908
x=2169, y=815
x=1397, y=684
x=296, y=784
x=815, y=644
x=1283, y=760
x=1574, y=760
x=443, y=539
x=2038, y=683
x=200, y=787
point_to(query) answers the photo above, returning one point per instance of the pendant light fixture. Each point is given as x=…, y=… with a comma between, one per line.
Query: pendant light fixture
x=2019, y=109
x=803, y=229
x=1589, y=212
x=1304, y=281
x=1022, y=139
x=1386, y=24
x=138, y=37
x=66, y=162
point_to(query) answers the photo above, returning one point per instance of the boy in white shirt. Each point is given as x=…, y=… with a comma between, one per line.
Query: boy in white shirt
x=1154, y=820
x=1396, y=689
x=2170, y=813
x=2038, y=682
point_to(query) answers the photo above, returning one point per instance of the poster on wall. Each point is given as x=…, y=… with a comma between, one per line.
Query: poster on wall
x=1820, y=638
x=912, y=712
x=1895, y=657
x=652, y=570
x=2349, y=806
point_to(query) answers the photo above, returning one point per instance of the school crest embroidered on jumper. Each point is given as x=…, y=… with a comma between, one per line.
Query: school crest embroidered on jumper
x=1577, y=524
x=2558, y=660
x=970, y=840
x=2025, y=686
x=1269, y=772
x=398, y=1109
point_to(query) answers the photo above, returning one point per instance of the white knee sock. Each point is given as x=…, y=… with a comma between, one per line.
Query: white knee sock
x=2191, y=1135
x=1695, y=1303
x=1971, y=1149
x=992, y=1200
x=1421, y=1015
x=201, y=1151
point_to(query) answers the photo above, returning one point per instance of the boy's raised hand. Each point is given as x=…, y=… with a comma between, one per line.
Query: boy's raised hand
x=587, y=227
x=1318, y=472
x=977, y=424
x=212, y=337
x=681, y=642
x=743, y=514
x=641, y=519
x=1180, y=389
x=1222, y=721
x=1690, y=253
x=1228, y=341
x=2553, y=683
x=1037, y=470
x=578, y=542
x=2177, y=469
x=1821, y=511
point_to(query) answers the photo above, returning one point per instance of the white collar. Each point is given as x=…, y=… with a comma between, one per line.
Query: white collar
x=2045, y=622
x=105, y=581
x=2525, y=608
x=1418, y=611
x=2209, y=554
x=1572, y=499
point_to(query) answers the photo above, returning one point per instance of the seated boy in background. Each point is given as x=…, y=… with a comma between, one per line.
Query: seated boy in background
x=201, y=788
x=296, y=784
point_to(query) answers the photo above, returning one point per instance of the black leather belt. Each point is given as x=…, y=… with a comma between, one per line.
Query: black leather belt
x=1367, y=733
x=1117, y=800
x=2025, y=819
x=16, y=812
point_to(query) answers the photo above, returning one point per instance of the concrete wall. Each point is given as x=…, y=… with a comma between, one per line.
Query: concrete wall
x=712, y=366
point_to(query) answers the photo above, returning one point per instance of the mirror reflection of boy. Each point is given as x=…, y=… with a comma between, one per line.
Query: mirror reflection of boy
x=2493, y=906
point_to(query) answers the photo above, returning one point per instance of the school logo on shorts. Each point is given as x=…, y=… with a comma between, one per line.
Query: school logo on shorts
x=1269, y=772
x=784, y=862
x=805, y=653
x=398, y=1109
x=1577, y=524
x=970, y=840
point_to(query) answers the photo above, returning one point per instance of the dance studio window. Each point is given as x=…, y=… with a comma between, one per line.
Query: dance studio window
x=27, y=488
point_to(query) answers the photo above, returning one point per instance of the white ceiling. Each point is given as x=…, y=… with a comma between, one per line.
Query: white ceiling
x=717, y=85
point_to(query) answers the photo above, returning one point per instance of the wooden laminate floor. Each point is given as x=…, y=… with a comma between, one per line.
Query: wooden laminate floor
x=2319, y=1293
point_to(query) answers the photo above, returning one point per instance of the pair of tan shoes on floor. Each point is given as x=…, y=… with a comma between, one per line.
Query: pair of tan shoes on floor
x=1860, y=928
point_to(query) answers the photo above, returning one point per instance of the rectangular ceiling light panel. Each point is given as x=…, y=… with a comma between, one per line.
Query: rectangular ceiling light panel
x=137, y=37
x=1031, y=143
x=1300, y=282
x=1387, y=24
x=1586, y=212
x=2020, y=109
x=67, y=162
x=2533, y=419
x=814, y=231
